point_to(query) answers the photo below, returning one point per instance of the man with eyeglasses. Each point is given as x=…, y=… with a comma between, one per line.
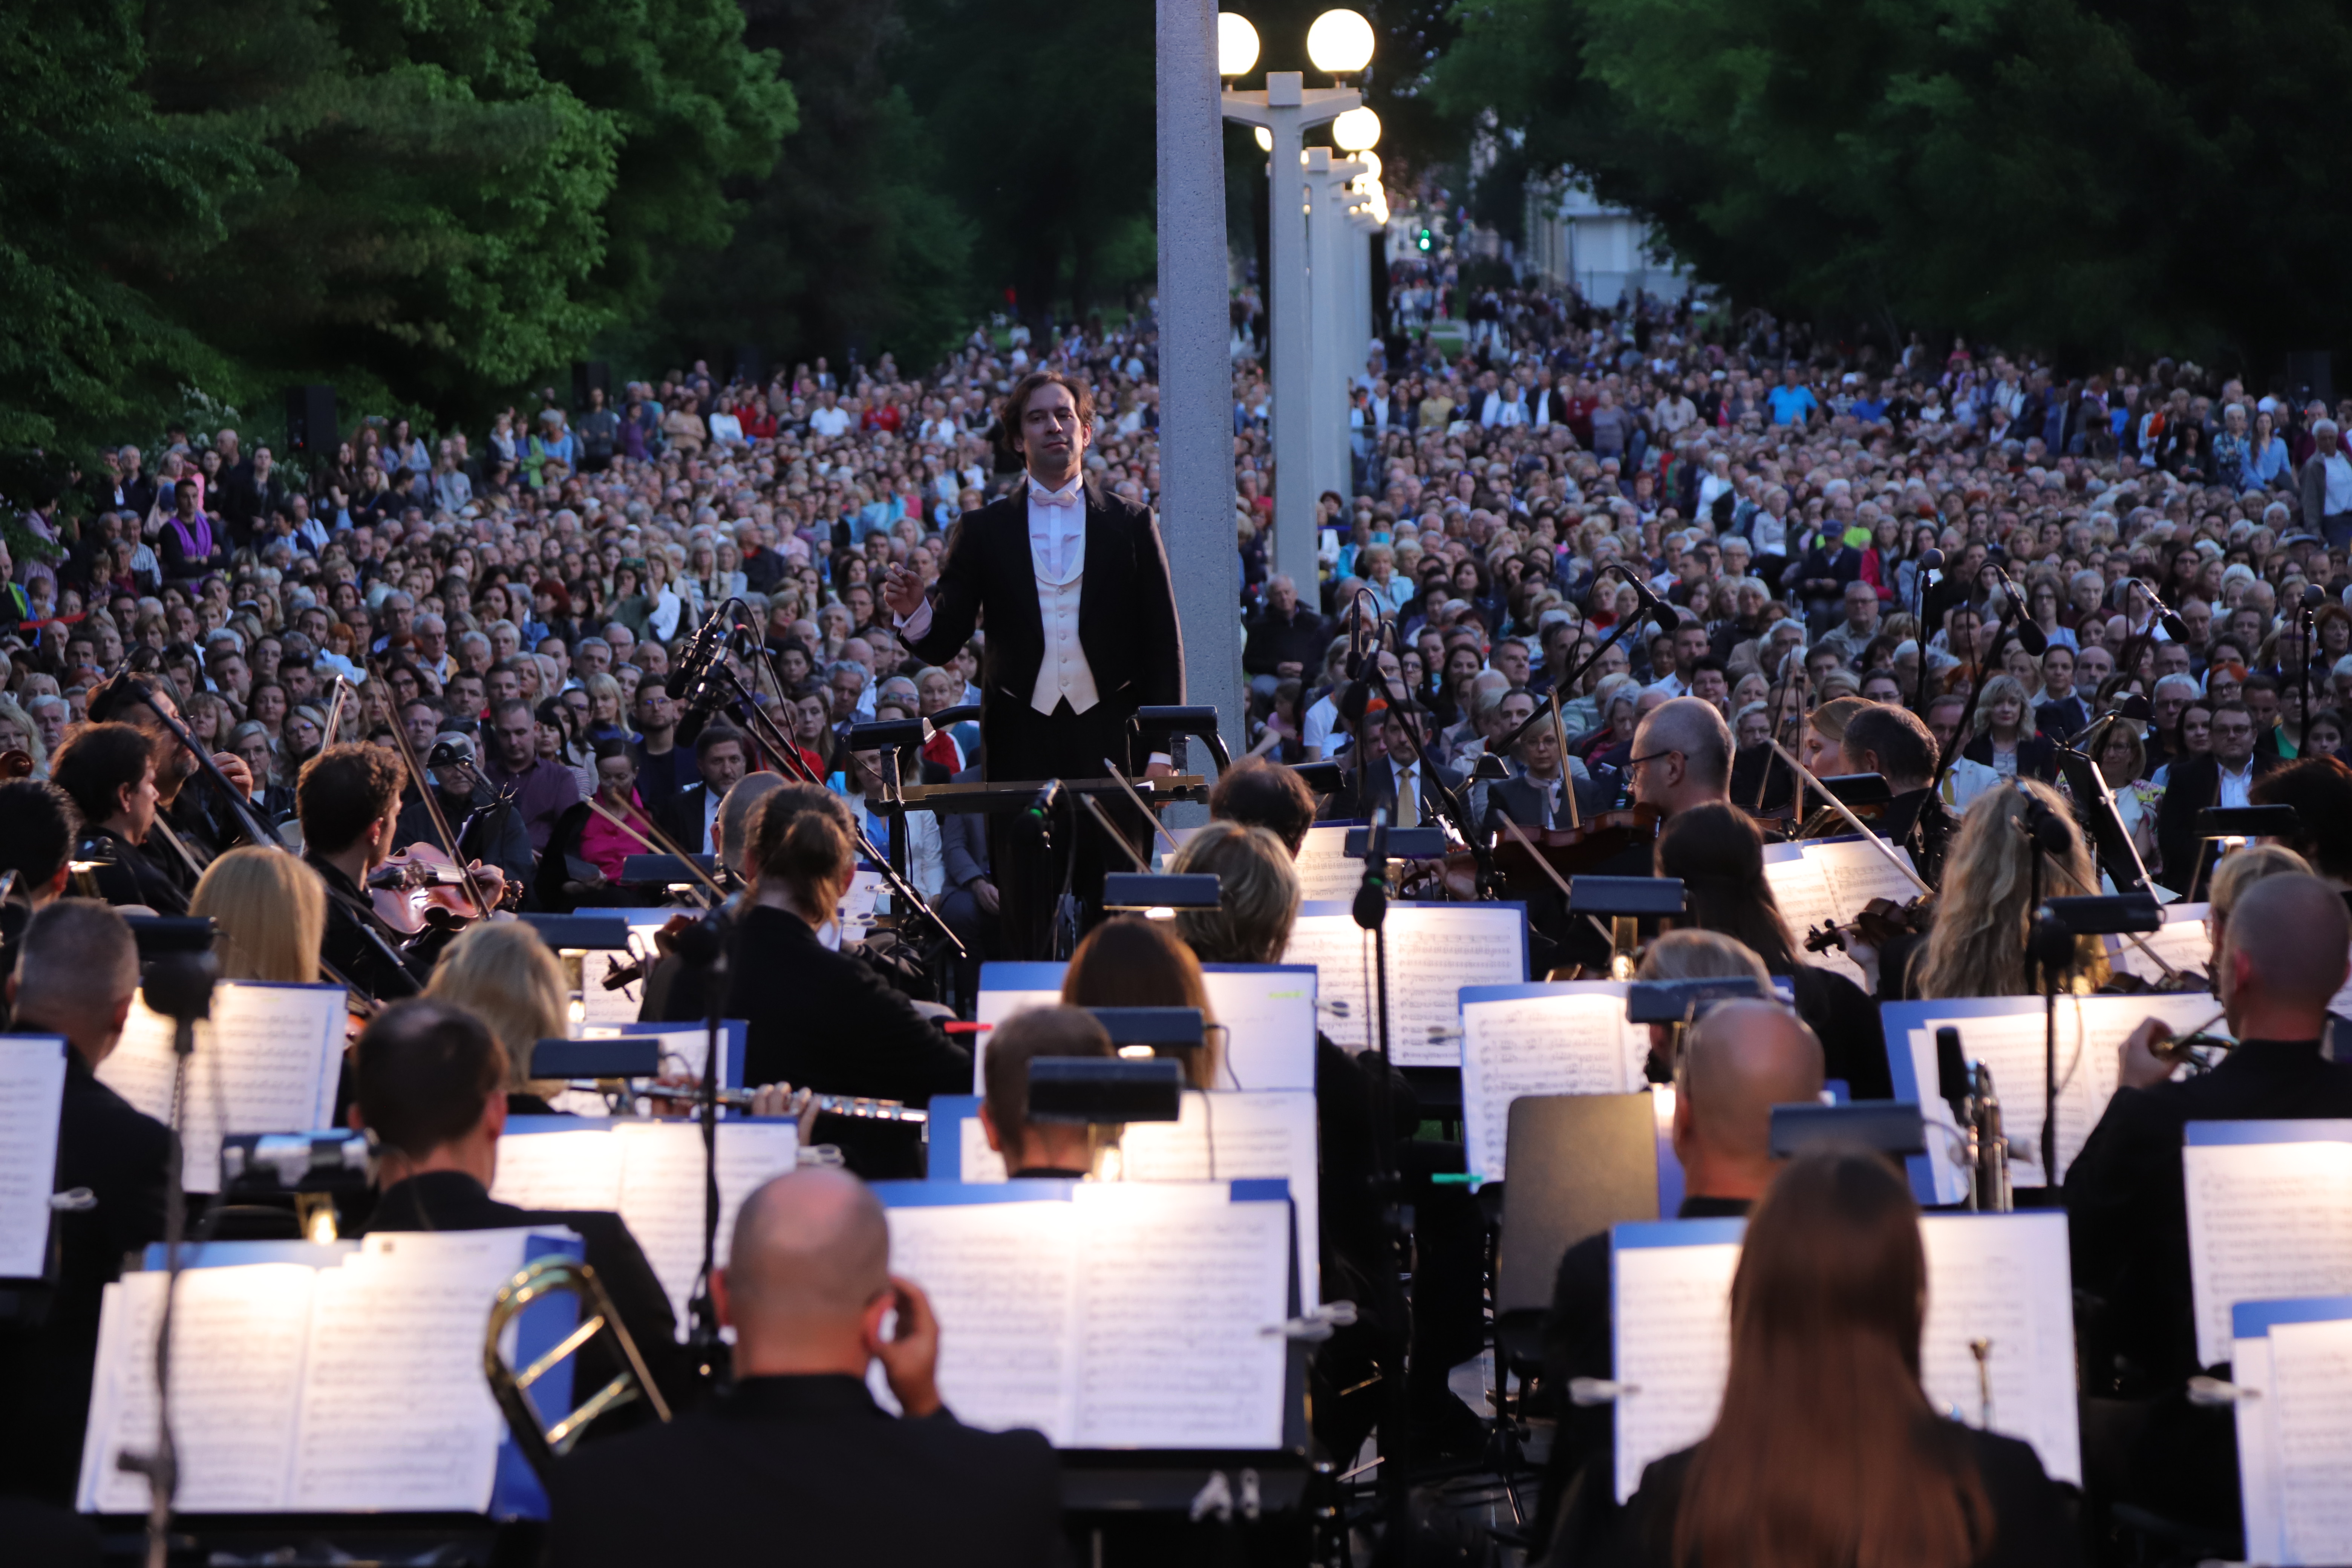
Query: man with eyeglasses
x=1681, y=757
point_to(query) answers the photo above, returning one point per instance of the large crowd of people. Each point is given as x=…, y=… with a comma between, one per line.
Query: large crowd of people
x=438, y=668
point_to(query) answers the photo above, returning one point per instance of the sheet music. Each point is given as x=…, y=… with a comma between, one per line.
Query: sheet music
x=2266, y=1222
x=2182, y=943
x=265, y=1061
x=2257, y=1419
x=662, y=1193
x=1673, y=1316
x=1257, y=1134
x=31, y=1092
x=981, y=1165
x=856, y=914
x=1189, y=1278
x=1576, y=1041
x=395, y=1414
x=1800, y=886
x=1855, y=872
x=1269, y=1022
x=1003, y=1280
x=991, y=1008
x=2311, y=1371
x=2006, y=1278
x=578, y=1169
x=683, y=1050
x=1434, y=952
x=599, y=1005
x=2090, y=1029
x=237, y=1341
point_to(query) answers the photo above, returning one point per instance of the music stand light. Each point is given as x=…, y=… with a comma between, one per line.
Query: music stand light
x=1103, y=1092
x=1158, y=896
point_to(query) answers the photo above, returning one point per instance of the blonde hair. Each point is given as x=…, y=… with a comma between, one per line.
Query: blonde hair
x=501, y=971
x=1977, y=946
x=270, y=912
x=1257, y=894
x=2241, y=870
x=1702, y=956
x=1999, y=687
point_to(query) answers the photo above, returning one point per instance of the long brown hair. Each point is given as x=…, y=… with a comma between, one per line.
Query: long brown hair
x=1826, y=1450
x=1978, y=946
x=1720, y=856
x=1127, y=962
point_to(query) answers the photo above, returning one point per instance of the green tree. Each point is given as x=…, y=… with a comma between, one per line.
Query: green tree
x=2086, y=175
x=848, y=243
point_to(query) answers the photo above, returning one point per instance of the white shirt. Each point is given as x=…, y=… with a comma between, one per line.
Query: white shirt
x=2339, y=484
x=1057, y=552
x=828, y=421
x=2234, y=785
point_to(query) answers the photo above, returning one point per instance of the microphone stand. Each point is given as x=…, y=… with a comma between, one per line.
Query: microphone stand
x=702, y=946
x=1371, y=912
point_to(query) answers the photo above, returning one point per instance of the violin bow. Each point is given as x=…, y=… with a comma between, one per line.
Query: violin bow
x=1552, y=871
x=667, y=845
x=424, y=792
x=1893, y=857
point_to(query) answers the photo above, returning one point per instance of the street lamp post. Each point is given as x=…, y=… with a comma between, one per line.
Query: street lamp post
x=1285, y=110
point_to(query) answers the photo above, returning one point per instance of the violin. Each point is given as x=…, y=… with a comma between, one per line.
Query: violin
x=665, y=942
x=1881, y=921
x=422, y=888
x=1566, y=850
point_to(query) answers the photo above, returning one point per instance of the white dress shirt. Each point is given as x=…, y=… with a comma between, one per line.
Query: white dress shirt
x=2234, y=787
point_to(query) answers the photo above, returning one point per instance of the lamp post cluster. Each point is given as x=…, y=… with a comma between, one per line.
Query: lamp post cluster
x=1320, y=296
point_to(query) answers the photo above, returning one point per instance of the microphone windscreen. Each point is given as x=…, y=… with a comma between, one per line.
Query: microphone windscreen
x=1662, y=614
x=1353, y=699
x=677, y=683
x=2132, y=707
x=1931, y=559
x=2314, y=596
x=2031, y=637
x=2174, y=626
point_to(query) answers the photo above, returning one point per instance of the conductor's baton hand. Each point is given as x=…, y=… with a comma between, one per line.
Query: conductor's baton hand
x=902, y=590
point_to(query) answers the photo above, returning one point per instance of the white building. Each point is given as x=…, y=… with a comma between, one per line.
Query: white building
x=1572, y=237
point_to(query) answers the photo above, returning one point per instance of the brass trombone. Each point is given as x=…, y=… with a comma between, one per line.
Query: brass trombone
x=541, y=1444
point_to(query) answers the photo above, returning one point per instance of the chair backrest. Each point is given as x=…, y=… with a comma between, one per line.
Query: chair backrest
x=1578, y=1164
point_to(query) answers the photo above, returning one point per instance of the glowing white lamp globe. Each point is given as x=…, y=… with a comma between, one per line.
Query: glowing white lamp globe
x=1339, y=43
x=1236, y=44
x=1356, y=131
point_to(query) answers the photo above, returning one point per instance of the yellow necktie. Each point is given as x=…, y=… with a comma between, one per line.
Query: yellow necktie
x=1408, y=811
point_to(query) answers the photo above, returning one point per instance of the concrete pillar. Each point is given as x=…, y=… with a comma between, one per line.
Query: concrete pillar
x=1196, y=462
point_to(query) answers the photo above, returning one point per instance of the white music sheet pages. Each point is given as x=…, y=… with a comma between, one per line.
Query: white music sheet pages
x=979, y=1163
x=239, y=1338
x=1257, y=1135
x=683, y=1050
x=599, y=1004
x=2267, y=1222
x=577, y=1170
x=31, y=1092
x=2091, y=1031
x=1856, y=873
x=2257, y=1415
x=661, y=1196
x=395, y=1414
x=1800, y=886
x=1268, y=1017
x=1434, y=952
x=2004, y=1279
x=2311, y=1379
x=1322, y=864
x=991, y=1008
x=2182, y=943
x=1575, y=1041
x=265, y=1061
x=1672, y=1315
x=1176, y=1285
x=1003, y=1281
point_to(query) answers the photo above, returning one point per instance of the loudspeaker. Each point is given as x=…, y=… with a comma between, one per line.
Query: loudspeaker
x=591, y=375
x=2311, y=372
x=311, y=428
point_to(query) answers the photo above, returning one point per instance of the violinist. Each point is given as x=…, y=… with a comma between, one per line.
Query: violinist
x=36, y=836
x=1891, y=741
x=1681, y=757
x=1977, y=947
x=108, y=771
x=1719, y=855
x=349, y=802
x=1533, y=798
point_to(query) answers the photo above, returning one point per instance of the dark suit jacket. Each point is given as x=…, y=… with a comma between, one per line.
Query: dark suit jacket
x=1127, y=615
x=1526, y=803
x=2126, y=1210
x=128, y=874
x=1376, y=789
x=808, y=1469
x=681, y=816
x=2059, y=720
x=2194, y=784
x=2037, y=757
x=451, y=1200
x=963, y=840
x=122, y=1156
x=2030, y=1525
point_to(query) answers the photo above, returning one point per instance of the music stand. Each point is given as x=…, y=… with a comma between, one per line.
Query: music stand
x=1578, y=1164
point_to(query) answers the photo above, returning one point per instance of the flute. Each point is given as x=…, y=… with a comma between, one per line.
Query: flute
x=859, y=1106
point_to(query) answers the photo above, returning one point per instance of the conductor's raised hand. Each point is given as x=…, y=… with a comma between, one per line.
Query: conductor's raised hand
x=910, y=1357
x=902, y=590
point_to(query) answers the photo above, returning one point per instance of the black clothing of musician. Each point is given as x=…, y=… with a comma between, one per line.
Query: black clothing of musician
x=1579, y=1340
x=823, y=1020
x=1917, y=820
x=1082, y=631
x=126, y=873
x=46, y=1357
x=453, y=1200
x=359, y=944
x=2028, y=1528
x=808, y=1469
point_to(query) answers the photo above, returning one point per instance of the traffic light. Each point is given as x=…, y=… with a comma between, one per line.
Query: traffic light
x=1423, y=238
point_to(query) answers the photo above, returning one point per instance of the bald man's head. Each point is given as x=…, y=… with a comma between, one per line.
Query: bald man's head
x=2286, y=941
x=810, y=1249
x=1739, y=1061
x=1682, y=752
x=735, y=814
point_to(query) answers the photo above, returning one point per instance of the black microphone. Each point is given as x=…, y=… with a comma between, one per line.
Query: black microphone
x=2314, y=596
x=2174, y=626
x=1042, y=805
x=2030, y=637
x=1660, y=612
x=1372, y=899
x=688, y=672
x=1931, y=560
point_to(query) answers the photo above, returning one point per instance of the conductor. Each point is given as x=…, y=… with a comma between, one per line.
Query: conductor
x=1081, y=631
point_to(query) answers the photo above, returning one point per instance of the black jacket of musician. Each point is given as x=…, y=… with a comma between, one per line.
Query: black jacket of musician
x=1126, y=616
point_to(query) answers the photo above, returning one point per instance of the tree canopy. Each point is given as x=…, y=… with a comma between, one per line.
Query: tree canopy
x=2088, y=175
